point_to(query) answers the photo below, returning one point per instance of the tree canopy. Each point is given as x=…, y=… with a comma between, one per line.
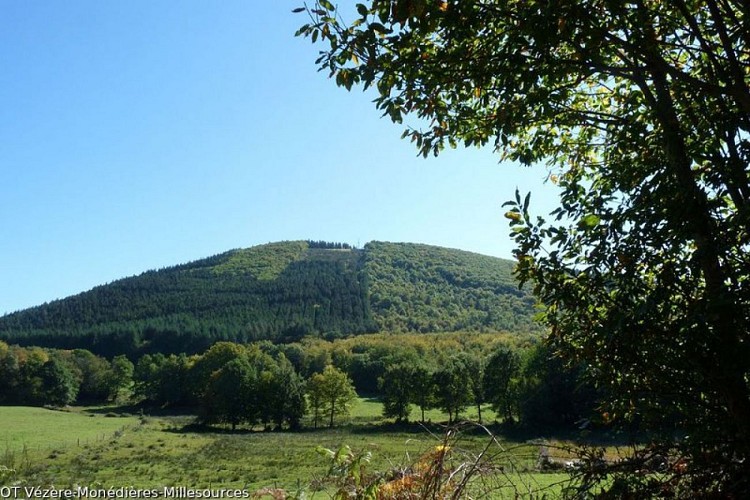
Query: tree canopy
x=641, y=112
x=332, y=392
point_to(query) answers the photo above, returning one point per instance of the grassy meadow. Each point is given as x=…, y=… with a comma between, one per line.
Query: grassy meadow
x=90, y=446
x=40, y=429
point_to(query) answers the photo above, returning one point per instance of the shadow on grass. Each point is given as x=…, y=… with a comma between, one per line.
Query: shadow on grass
x=400, y=427
x=199, y=428
x=437, y=429
x=185, y=422
x=114, y=410
x=140, y=409
x=591, y=436
x=506, y=432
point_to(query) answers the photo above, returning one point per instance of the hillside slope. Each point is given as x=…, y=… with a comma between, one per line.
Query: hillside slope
x=282, y=292
x=426, y=288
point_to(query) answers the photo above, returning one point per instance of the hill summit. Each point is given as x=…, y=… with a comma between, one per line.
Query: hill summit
x=283, y=292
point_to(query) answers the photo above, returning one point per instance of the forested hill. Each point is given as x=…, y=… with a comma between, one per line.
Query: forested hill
x=433, y=289
x=283, y=292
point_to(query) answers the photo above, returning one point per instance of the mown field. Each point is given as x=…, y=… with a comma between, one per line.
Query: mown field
x=90, y=446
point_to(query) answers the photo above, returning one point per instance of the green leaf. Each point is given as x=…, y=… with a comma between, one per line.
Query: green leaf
x=578, y=87
x=589, y=221
x=379, y=28
x=325, y=452
x=513, y=215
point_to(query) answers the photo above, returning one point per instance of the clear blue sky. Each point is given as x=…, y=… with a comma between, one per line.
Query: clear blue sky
x=142, y=134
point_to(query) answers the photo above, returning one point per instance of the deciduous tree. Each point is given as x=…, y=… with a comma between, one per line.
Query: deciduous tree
x=453, y=387
x=92, y=372
x=423, y=385
x=331, y=392
x=641, y=110
x=396, y=389
x=475, y=366
x=503, y=367
x=288, y=394
x=59, y=384
x=232, y=393
x=120, y=376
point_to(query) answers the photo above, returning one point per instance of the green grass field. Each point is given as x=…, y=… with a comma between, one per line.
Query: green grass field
x=88, y=448
x=370, y=411
x=43, y=429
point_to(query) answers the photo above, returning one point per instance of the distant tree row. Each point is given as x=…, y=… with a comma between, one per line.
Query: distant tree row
x=521, y=382
x=326, y=245
x=37, y=377
x=276, y=385
x=242, y=384
x=529, y=386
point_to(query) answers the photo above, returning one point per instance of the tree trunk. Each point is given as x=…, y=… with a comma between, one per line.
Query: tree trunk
x=333, y=411
x=723, y=367
x=508, y=414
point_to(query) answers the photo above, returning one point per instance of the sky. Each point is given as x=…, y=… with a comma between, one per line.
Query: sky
x=143, y=134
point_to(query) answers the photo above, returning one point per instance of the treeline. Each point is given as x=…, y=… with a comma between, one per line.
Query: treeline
x=283, y=292
x=36, y=377
x=230, y=383
x=327, y=245
x=516, y=375
x=275, y=386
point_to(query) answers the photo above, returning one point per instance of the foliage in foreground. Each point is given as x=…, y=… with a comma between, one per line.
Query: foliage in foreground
x=162, y=451
x=641, y=110
x=449, y=469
